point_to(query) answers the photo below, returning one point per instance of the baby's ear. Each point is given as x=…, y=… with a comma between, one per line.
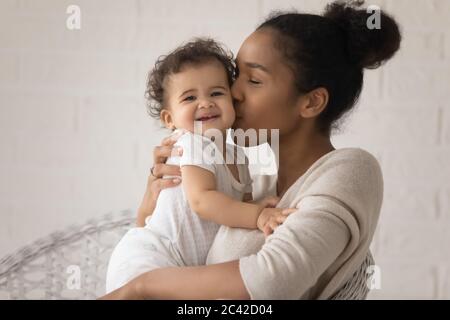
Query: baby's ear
x=166, y=119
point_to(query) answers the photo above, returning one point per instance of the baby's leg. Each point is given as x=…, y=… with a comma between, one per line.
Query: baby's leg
x=139, y=251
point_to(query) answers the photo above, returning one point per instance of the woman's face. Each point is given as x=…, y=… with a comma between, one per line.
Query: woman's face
x=264, y=89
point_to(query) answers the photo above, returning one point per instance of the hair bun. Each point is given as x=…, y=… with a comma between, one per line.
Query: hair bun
x=367, y=48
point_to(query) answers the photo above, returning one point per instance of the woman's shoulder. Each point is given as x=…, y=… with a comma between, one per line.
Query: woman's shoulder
x=353, y=170
x=352, y=154
x=348, y=160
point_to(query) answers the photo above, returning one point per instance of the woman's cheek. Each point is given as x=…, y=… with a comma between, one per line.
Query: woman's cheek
x=232, y=112
x=262, y=113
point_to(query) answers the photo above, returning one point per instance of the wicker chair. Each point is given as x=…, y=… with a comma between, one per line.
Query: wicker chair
x=72, y=264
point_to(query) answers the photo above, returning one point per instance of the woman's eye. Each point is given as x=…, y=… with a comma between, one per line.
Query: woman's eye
x=216, y=93
x=190, y=98
x=254, y=81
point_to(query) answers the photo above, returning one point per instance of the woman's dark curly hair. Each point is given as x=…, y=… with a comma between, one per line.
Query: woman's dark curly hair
x=197, y=51
x=332, y=50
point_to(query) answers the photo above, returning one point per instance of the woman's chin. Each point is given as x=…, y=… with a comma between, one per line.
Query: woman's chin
x=238, y=124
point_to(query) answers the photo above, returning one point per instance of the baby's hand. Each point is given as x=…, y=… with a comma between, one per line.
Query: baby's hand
x=269, y=202
x=270, y=218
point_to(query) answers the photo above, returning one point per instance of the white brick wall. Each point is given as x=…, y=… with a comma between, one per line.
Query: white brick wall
x=76, y=140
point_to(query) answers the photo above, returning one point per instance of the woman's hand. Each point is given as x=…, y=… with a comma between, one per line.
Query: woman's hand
x=155, y=183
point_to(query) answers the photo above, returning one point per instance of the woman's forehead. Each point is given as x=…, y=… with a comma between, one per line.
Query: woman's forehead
x=258, y=48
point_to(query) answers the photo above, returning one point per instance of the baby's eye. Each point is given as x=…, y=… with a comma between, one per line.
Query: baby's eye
x=190, y=98
x=216, y=93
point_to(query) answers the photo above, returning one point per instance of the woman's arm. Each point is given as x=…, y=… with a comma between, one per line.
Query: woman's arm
x=218, y=281
x=155, y=183
x=289, y=263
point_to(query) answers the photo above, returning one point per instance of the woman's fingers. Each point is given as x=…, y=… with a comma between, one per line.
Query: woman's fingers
x=161, y=184
x=175, y=135
x=166, y=149
x=168, y=141
x=162, y=169
x=161, y=153
x=154, y=182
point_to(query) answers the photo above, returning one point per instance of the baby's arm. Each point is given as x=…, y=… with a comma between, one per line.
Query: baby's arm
x=200, y=187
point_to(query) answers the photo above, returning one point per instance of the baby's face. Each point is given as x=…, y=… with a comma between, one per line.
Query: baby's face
x=199, y=94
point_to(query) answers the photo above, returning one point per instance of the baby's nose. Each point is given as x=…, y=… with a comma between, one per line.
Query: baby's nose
x=206, y=104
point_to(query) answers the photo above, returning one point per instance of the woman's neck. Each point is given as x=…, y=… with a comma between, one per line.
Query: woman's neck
x=297, y=153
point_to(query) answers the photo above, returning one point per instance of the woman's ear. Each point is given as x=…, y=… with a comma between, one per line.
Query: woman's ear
x=166, y=119
x=314, y=102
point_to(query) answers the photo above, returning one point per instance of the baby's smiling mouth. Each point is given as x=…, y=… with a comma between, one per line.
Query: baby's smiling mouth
x=207, y=117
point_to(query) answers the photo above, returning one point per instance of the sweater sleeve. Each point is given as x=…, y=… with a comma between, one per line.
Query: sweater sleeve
x=338, y=205
x=297, y=253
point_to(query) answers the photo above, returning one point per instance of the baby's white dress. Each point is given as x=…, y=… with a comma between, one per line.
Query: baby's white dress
x=175, y=235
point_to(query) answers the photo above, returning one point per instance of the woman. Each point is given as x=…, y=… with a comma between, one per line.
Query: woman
x=298, y=73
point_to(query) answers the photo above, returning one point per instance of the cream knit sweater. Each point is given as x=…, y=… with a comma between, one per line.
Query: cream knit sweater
x=318, y=248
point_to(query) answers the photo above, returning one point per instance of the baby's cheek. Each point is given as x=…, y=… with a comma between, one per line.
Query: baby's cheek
x=186, y=121
x=189, y=125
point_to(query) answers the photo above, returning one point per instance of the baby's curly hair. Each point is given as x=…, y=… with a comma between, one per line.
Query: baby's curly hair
x=197, y=51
